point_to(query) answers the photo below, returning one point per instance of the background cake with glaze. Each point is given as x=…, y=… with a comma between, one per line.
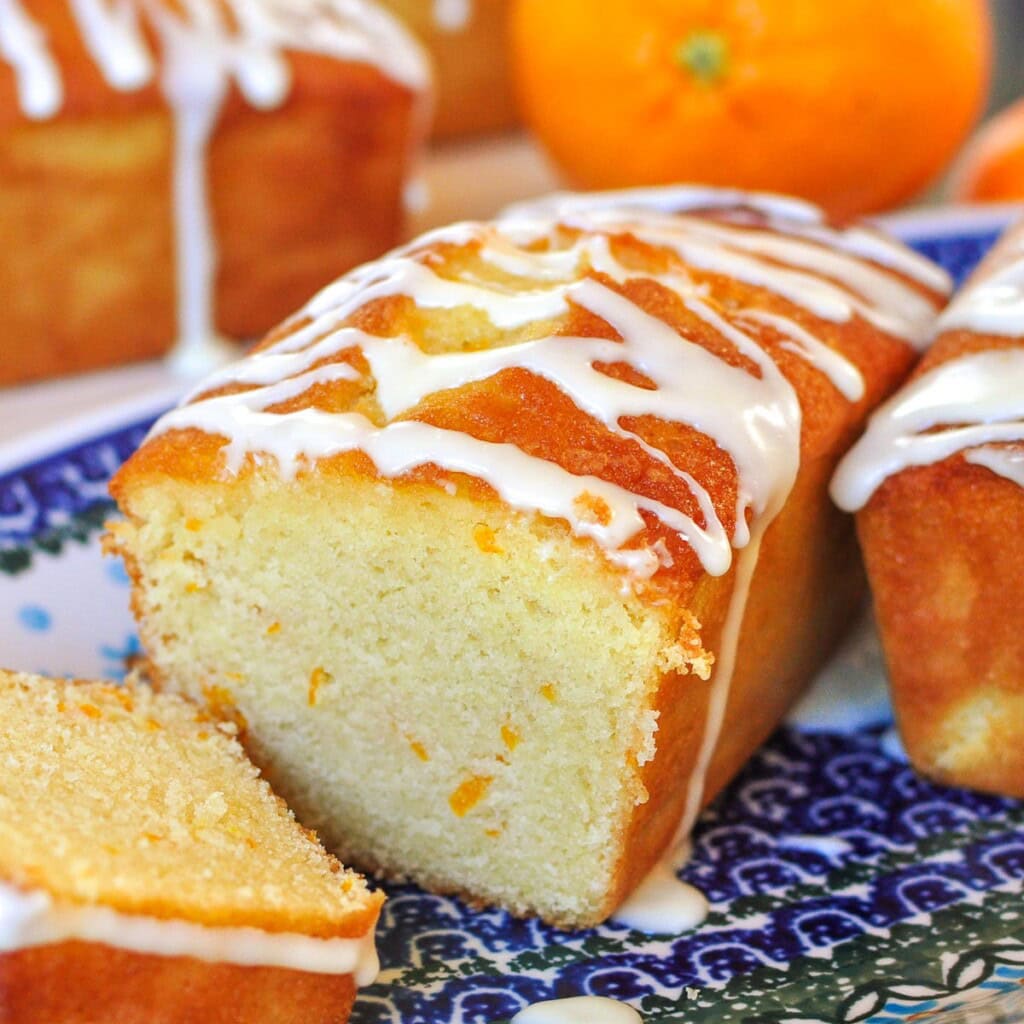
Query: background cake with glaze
x=526, y=528
x=147, y=874
x=938, y=480
x=185, y=171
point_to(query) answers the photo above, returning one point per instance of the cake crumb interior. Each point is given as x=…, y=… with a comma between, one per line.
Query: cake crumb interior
x=441, y=687
x=143, y=803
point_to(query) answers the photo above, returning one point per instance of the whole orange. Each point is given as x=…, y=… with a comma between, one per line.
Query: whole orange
x=856, y=104
x=992, y=165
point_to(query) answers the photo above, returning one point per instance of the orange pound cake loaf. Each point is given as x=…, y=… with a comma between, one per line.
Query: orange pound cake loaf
x=148, y=875
x=938, y=479
x=191, y=169
x=512, y=546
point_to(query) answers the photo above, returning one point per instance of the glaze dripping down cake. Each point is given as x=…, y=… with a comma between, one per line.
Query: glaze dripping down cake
x=192, y=170
x=149, y=876
x=939, y=481
x=510, y=547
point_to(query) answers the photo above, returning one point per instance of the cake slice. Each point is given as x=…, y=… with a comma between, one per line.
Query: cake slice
x=938, y=479
x=512, y=546
x=148, y=874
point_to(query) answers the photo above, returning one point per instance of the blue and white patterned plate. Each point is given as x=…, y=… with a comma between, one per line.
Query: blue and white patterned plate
x=843, y=887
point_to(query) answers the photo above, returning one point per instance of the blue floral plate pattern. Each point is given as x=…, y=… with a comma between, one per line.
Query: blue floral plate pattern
x=843, y=887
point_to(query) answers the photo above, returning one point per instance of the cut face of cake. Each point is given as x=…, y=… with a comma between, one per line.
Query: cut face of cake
x=511, y=547
x=192, y=170
x=938, y=479
x=148, y=874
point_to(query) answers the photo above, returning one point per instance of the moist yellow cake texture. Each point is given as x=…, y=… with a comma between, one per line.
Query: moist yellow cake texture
x=466, y=544
x=144, y=803
x=119, y=800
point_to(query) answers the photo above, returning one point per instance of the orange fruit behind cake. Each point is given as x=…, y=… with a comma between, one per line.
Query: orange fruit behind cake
x=854, y=105
x=992, y=167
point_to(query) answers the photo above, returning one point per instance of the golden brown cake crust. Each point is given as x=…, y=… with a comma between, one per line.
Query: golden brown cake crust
x=84, y=983
x=943, y=554
x=298, y=194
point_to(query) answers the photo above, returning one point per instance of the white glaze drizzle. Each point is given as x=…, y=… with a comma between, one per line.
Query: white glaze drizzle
x=966, y=404
x=32, y=918
x=755, y=417
x=882, y=292
x=1007, y=462
x=416, y=195
x=23, y=46
x=992, y=302
x=564, y=206
x=663, y=904
x=763, y=443
x=205, y=47
x=111, y=32
x=976, y=400
x=722, y=677
x=801, y=219
x=452, y=15
x=844, y=375
x=827, y=283
x=195, y=90
x=578, y=1010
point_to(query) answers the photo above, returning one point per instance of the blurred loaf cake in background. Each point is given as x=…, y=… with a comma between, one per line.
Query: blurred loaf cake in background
x=939, y=482
x=512, y=546
x=468, y=41
x=186, y=171
x=147, y=874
